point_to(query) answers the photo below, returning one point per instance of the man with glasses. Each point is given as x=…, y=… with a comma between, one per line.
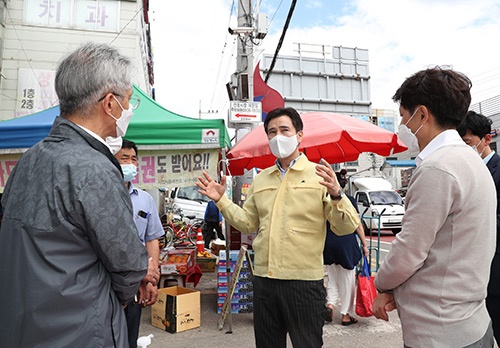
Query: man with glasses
x=69, y=252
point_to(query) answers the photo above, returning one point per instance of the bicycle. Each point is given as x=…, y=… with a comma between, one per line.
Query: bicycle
x=177, y=230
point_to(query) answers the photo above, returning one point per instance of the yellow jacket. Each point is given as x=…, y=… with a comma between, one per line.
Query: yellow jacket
x=290, y=215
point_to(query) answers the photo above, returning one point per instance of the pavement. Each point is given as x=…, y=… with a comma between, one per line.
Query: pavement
x=238, y=328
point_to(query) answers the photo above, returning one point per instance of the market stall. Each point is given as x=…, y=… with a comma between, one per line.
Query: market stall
x=173, y=152
x=174, y=149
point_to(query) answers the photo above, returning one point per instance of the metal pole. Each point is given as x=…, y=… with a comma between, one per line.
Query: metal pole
x=243, y=78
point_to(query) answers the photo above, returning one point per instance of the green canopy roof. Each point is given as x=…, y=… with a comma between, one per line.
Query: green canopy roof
x=152, y=124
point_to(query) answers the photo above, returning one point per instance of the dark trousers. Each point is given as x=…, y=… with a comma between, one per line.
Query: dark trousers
x=208, y=233
x=288, y=306
x=133, y=313
x=493, y=306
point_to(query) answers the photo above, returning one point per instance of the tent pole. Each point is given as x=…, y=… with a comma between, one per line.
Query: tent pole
x=227, y=228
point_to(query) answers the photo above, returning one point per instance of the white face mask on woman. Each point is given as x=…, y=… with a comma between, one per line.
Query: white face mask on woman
x=407, y=137
x=122, y=122
x=282, y=146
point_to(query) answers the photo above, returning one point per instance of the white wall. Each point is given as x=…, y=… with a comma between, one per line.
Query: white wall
x=35, y=47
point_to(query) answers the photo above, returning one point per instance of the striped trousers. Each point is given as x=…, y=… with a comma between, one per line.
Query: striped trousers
x=288, y=306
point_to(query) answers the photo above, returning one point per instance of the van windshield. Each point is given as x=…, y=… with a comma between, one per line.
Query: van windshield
x=386, y=197
x=191, y=193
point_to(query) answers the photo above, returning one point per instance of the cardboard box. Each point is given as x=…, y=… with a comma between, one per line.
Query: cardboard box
x=176, y=309
x=178, y=261
x=207, y=264
x=216, y=248
x=247, y=238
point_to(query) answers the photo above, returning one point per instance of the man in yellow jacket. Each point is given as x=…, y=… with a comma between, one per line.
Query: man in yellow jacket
x=288, y=204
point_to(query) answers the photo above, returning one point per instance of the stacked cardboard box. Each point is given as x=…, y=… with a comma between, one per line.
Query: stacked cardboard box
x=177, y=260
x=242, y=300
x=207, y=264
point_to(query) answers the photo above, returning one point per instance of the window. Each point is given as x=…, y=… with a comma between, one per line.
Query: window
x=191, y=193
x=386, y=197
x=102, y=15
x=362, y=198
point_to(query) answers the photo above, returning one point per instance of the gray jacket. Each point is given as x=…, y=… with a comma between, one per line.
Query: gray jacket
x=69, y=252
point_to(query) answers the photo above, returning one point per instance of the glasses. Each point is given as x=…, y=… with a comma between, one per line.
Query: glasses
x=134, y=102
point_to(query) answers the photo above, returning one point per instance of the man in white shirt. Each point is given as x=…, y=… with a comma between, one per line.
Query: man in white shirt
x=438, y=268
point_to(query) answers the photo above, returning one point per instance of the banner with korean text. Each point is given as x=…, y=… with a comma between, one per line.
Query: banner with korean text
x=156, y=168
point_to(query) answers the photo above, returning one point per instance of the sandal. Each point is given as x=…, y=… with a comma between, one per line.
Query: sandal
x=350, y=322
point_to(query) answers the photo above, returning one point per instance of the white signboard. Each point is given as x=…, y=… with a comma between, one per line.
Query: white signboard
x=157, y=168
x=210, y=136
x=245, y=112
x=83, y=14
x=35, y=91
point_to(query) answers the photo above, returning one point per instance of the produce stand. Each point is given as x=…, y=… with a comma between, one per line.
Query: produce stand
x=178, y=266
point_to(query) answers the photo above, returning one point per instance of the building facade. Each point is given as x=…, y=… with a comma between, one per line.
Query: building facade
x=36, y=34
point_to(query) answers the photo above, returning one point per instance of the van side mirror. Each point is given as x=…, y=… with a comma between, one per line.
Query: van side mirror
x=172, y=194
x=366, y=204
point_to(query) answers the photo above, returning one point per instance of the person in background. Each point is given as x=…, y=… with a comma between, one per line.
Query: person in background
x=340, y=256
x=342, y=177
x=213, y=221
x=437, y=270
x=476, y=132
x=288, y=205
x=149, y=230
x=69, y=253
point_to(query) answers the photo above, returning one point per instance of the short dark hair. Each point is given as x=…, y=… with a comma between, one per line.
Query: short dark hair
x=127, y=144
x=290, y=112
x=479, y=125
x=445, y=92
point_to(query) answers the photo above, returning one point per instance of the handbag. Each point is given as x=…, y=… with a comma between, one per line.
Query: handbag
x=366, y=291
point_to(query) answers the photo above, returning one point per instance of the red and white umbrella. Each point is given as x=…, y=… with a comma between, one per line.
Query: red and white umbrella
x=334, y=137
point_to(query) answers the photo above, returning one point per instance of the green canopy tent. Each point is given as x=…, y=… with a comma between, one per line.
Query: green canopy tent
x=173, y=149
x=152, y=124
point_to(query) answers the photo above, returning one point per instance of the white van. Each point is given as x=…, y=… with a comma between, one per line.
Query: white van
x=190, y=201
x=378, y=201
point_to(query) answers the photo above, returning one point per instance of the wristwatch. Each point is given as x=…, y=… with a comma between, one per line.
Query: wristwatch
x=336, y=198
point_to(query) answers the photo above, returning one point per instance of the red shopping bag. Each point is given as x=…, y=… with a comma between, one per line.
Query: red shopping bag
x=366, y=291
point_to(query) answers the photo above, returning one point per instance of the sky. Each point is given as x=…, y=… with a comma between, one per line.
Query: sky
x=194, y=55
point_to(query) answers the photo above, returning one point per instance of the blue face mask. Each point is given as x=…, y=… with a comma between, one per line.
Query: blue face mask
x=129, y=172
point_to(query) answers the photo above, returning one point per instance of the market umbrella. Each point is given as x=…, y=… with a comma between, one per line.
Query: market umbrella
x=334, y=137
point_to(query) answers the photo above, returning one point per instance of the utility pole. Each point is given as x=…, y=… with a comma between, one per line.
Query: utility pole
x=244, y=113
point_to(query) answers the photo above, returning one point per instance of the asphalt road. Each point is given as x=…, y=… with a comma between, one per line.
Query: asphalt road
x=369, y=332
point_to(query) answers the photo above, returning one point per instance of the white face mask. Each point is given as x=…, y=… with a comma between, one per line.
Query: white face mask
x=122, y=122
x=114, y=143
x=282, y=146
x=407, y=137
x=474, y=147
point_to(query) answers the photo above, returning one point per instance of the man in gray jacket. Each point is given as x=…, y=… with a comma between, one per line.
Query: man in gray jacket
x=69, y=252
x=438, y=268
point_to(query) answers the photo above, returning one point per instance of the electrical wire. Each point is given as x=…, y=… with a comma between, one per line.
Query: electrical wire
x=28, y=60
x=282, y=38
x=222, y=58
x=126, y=25
x=275, y=12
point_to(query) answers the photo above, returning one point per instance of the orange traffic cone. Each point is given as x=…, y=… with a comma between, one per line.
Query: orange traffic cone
x=200, y=243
